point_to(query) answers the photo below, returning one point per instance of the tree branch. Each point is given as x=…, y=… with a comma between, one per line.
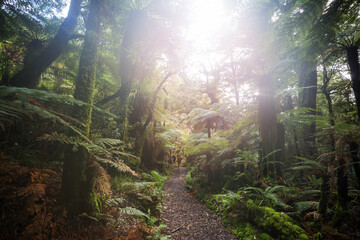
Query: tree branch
x=150, y=116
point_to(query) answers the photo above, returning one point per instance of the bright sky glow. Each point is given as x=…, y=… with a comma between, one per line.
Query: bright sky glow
x=207, y=19
x=64, y=11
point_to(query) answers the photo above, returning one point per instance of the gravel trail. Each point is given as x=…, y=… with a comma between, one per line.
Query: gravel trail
x=186, y=217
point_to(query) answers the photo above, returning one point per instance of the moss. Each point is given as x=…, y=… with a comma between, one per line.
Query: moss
x=264, y=236
x=246, y=231
x=314, y=225
x=303, y=237
x=277, y=224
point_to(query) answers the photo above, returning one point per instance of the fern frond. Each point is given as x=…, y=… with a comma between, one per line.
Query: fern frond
x=115, y=201
x=118, y=165
x=9, y=114
x=107, y=142
x=133, y=212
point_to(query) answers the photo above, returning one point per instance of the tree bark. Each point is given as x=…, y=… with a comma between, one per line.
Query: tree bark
x=29, y=75
x=85, y=82
x=307, y=99
x=77, y=182
x=353, y=61
x=77, y=179
x=324, y=195
x=342, y=184
x=354, y=149
x=326, y=92
x=280, y=154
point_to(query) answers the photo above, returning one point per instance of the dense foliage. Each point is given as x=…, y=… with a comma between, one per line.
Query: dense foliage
x=264, y=104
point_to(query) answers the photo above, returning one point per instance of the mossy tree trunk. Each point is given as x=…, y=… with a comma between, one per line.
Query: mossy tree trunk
x=36, y=64
x=85, y=82
x=77, y=180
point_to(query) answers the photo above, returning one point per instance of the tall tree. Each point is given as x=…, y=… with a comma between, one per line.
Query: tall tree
x=78, y=179
x=307, y=99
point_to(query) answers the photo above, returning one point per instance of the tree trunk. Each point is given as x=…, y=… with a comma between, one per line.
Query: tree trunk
x=267, y=123
x=342, y=184
x=290, y=106
x=85, y=82
x=77, y=180
x=324, y=195
x=29, y=75
x=353, y=61
x=325, y=186
x=354, y=149
x=326, y=92
x=307, y=99
x=280, y=142
x=208, y=126
x=148, y=150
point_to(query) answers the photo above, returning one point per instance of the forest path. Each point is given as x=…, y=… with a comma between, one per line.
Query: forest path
x=185, y=216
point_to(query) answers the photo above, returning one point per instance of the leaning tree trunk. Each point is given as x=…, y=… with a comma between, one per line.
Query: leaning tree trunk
x=29, y=75
x=267, y=123
x=78, y=177
x=307, y=99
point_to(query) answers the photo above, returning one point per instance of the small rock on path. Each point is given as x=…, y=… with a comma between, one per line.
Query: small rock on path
x=186, y=217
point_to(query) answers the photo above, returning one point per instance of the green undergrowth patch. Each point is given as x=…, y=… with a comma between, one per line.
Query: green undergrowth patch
x=141, y=198
x=248, y=220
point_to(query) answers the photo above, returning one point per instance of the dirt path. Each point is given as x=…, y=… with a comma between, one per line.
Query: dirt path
x=186, y=217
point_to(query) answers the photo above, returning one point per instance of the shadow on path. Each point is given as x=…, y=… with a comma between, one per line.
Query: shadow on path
x=185, y=216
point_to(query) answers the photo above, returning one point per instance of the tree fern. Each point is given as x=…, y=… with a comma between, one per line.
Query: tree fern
x=30, y=102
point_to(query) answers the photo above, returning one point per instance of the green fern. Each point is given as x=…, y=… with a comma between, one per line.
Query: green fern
x=158, y=179
x=133, y=212
x=115, y=201
x=116, y=164
x=268, y=195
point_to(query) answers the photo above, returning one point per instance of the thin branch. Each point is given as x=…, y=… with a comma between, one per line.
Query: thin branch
x=150, y=116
